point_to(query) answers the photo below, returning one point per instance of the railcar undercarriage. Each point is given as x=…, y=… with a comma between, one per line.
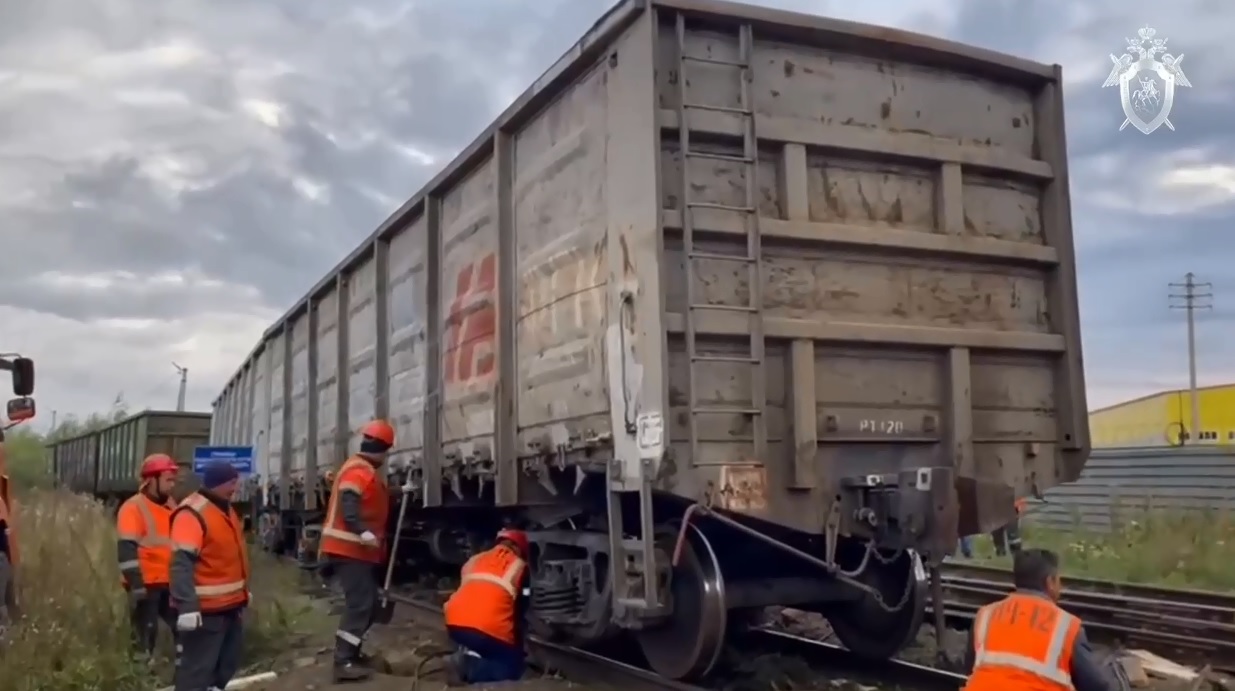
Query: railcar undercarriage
x=714, y=573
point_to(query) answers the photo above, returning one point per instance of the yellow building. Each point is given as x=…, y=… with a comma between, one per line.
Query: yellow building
x=1160, y=419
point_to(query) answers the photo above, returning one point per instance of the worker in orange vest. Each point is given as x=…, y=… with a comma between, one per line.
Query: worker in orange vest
x=487, y=616
x=354, y=545
x=209, y=582
x=144, y=549
x=1026, y=642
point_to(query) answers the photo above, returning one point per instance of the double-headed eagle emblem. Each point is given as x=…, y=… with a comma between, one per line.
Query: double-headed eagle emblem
x=1146, y=82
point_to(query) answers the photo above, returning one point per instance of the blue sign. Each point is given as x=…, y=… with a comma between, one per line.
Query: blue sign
x=240, y=458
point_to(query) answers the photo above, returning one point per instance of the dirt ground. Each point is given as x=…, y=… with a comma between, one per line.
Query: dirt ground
x=398, y=649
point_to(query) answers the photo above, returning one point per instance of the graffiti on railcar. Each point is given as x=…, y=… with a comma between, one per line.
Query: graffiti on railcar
x=471, y=324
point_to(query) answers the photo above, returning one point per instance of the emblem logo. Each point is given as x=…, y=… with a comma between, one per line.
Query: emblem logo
x=1146, y=81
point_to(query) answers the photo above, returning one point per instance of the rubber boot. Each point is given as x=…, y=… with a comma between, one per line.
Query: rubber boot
x=456, y=669
x=347, y=664
x=351, y=671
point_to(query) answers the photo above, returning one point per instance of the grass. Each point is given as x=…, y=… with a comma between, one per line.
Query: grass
x=1191, y=549
x=73, y=630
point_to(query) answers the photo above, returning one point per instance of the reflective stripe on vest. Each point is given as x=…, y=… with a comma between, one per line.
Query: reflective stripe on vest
x=150, y=538
x=506, y=581
x=328, y=529
x=1047, y=669
x=198, y=503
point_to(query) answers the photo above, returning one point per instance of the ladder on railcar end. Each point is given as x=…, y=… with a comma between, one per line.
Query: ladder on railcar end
x=754, y=357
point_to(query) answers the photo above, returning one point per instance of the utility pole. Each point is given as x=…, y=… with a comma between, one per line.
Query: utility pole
x=1194, y=296
x=184, y=384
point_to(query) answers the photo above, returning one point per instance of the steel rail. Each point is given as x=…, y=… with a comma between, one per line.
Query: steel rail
x=837, y=658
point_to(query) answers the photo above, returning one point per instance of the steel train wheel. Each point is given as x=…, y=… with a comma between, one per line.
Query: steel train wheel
x=869, y=630
x=688, y=645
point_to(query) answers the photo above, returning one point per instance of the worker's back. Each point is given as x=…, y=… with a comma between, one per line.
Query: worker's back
x=485, y=601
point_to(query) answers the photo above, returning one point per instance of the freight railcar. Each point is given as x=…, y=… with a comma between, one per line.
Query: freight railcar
x=106, y=463
x=734, y=307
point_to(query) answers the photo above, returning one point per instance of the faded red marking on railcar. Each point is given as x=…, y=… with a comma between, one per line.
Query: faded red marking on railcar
x=471, y=324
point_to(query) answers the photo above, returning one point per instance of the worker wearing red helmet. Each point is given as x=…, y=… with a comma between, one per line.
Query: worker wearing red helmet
x=354, y=544
x=144, y=549
x=487, y=616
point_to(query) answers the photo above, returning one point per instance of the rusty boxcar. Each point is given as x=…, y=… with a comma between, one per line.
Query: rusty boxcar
x=733, y=307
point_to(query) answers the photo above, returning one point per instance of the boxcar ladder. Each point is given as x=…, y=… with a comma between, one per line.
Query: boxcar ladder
x=752, y=259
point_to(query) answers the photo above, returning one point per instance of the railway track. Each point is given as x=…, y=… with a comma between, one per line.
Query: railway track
x=619, y=669
x=1188, y=626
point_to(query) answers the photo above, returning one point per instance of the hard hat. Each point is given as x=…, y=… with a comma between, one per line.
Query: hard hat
x=516, y=536
x=381, y=431
x=156, y=464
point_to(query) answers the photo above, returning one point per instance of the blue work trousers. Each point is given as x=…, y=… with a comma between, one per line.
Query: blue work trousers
x=489, y=659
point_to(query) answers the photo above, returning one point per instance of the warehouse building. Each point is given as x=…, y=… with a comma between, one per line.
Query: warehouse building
x=1162, y=419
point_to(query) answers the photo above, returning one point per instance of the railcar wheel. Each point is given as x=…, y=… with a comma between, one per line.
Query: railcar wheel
x=868, y=629
x=689, y=643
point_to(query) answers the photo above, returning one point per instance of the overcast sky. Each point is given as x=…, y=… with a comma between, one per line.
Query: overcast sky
x=174, y=175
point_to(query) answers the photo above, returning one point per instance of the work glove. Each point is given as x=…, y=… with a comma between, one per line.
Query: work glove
x=191, y=621
x=369, y=538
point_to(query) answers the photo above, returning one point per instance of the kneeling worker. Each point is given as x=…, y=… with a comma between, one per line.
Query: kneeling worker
x=487, y=616
x=144, y=549
x=209, y=582
x=1026, y=642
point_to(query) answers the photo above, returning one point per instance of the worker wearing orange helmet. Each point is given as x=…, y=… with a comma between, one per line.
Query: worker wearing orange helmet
x=144, y=549
x=487, y=616
x=354, y=544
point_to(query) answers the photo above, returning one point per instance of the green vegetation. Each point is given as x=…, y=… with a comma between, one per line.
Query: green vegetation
x=71, y=632
x=1174, y=549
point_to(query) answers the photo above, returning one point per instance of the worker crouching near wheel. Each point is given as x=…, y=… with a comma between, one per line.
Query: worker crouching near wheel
x=353, y=544
x=487, y=616
x=144, y=550
x=209, y=582
x=1026, y=642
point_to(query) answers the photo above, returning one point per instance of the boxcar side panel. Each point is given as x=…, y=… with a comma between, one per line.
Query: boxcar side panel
x=300, y=396
x=278, y=398
x=361, y=376
x=469, y=314
x=261, y=416
x=327, y=430
x=406, y=300
x=560, y=224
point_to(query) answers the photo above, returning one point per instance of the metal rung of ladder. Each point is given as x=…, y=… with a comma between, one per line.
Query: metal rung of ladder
x=717, y=256
x=723, y=308
x=712, y=61
x=722, y=207
x=752, y=258
x=722, y=358
x=718, y=157
x=717, y=109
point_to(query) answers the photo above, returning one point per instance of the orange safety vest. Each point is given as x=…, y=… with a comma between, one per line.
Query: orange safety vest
x=357, y=475
x=221, y=577
x=1023, y=642
x=149, y=524
x=485, y=600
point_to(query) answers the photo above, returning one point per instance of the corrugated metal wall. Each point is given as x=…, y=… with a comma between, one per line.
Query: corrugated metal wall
x=1129, y=481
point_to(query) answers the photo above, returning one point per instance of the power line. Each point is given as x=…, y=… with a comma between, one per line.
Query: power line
x=1195, y=296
